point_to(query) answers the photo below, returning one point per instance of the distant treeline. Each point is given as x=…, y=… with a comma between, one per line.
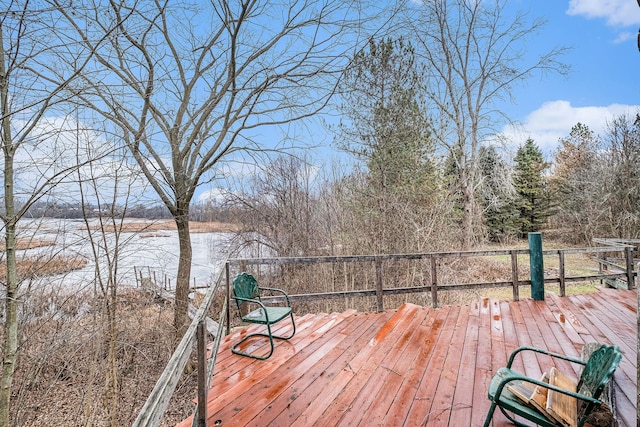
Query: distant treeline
x=199, y=212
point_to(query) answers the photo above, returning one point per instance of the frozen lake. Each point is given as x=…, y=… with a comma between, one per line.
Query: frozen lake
x=154, y=251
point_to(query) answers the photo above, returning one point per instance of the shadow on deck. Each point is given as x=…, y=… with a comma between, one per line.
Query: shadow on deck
x=416, y=366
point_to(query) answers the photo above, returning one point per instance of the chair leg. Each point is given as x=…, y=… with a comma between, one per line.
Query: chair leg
x=243, y=353
x=492, y=409
x=292, y=333
x=269, y=335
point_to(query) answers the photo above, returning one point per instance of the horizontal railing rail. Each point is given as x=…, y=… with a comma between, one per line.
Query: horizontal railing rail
x=515, y=282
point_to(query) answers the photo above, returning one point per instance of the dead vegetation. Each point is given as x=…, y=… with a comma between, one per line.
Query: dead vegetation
x=62, y=366
x=148, y=226
x=32, y=267
x=350, y=276
x=28, y=243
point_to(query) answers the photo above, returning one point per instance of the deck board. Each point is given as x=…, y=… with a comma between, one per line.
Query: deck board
x=416, y=366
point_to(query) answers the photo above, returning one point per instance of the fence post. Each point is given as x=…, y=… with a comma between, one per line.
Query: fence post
x=536, y=265
x=434, y=282
x=563, y=290
x=628, y=254
x=202, y=376
x=514, y=275
x=379, y=299
x=228, y=297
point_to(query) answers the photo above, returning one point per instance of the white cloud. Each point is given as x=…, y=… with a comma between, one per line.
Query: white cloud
x=616, y=12
x=554, y=120
x=62, y=152
x=623, y=37
x=217, y=196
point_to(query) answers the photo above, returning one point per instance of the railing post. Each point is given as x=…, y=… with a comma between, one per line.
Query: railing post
x=202, y=376
x=379, y=299
x=536, y=265
x=228, y=297
x=628, y=254
x=563, y=291
x=434, y=282
x=514, y=275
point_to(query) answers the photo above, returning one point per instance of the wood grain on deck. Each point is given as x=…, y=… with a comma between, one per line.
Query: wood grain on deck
x=416, y=366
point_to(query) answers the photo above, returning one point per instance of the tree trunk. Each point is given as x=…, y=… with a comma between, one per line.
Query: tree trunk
x=468, y=212
x=10, y=344
x=180, y=320
x=111, y=375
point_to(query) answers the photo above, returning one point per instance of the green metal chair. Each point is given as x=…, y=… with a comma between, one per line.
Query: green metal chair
x=247, y=291
x=597, y=371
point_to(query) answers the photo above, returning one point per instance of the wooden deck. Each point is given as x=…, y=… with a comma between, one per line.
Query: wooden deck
x=416, y=366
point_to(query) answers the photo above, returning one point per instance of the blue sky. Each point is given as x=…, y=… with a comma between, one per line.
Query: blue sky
x=605, y=70
x=604, y=81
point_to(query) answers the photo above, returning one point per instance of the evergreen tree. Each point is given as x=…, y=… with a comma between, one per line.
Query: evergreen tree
x=384, y=127
x=532, y=197
x=497, y=196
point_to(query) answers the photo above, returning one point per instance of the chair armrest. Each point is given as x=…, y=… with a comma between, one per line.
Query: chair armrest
x=250, y=300
x=278, y=291
x=512, y=378
x=541, y=351
x=257, y=302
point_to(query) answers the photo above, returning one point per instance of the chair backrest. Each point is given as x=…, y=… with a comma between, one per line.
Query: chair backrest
x=599, y=369
x=245, y=286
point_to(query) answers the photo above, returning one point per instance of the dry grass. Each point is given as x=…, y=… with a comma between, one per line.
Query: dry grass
x=313, y=278
x=60, y=379
x=27, y=243
x=146, y=226
x=33, y=267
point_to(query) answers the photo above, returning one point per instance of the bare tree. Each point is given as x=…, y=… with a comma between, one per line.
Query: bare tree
x=474, y=52
x=189, y=83
x=278, y=210
x=109, y=184
x=623, y=178
x=34, y=76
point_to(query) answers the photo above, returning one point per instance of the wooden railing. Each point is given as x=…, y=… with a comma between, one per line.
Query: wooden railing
x=434, y=286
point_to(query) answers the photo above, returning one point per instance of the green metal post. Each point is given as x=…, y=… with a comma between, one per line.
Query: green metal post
x=537, y=266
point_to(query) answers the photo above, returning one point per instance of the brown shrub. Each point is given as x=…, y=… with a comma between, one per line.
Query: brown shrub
x=61, y=372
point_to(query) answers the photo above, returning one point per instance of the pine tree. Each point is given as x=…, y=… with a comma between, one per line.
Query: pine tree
x=384, y=126
x=497, y=196
x=532, y=198
x=382, y=93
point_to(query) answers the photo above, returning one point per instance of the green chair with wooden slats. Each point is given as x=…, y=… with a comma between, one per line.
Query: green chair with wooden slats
x=597, y=372
x=246, y=292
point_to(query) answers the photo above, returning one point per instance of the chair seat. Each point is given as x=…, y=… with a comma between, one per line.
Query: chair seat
x=275, y=315
x=511, y=402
